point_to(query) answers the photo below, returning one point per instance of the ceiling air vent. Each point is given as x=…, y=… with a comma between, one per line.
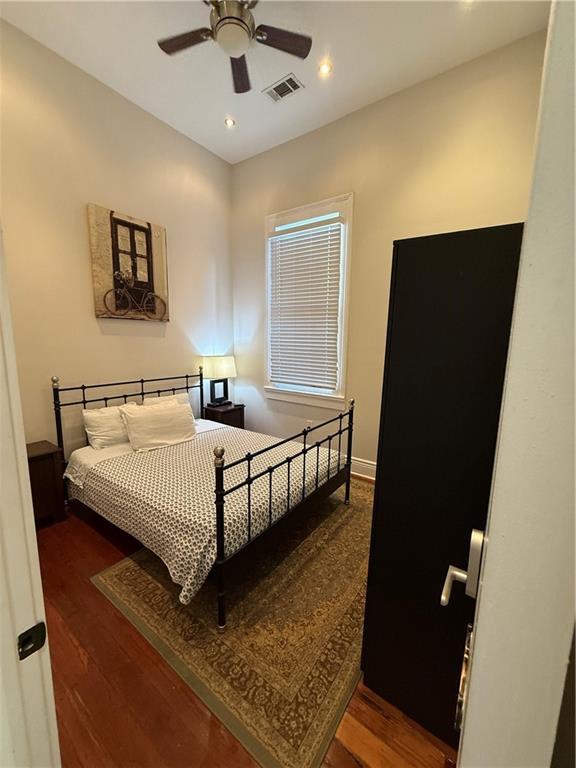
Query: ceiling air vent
x=285, y=87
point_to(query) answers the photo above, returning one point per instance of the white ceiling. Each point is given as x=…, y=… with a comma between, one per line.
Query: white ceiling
x=376, y=48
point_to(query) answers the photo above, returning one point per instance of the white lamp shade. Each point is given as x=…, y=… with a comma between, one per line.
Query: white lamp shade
x=220, y=367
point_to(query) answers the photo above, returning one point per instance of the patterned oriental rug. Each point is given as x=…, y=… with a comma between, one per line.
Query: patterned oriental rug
x=281, y=675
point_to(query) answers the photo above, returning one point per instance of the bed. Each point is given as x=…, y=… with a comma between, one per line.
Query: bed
x=198, y=503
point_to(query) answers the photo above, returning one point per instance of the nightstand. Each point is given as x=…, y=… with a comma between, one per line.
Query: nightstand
x=46, y=469
x=232, y=414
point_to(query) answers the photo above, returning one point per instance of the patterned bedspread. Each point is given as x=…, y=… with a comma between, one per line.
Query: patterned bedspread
x=165, y=498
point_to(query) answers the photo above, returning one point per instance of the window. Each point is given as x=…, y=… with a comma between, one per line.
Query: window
x=307, y=264
x=132, y=251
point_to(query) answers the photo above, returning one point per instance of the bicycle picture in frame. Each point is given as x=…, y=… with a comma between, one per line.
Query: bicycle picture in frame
x=129, y=268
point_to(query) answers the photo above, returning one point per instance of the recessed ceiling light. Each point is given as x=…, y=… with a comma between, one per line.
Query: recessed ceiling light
x=229, y=122
x=325, y=69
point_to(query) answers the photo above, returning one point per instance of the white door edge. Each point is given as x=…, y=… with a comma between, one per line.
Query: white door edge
x=525, y=609
x=28, y=732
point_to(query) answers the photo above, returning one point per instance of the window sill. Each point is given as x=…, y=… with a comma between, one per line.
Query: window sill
x=333, y=402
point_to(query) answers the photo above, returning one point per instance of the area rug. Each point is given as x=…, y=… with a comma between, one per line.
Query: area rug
x=281, y=675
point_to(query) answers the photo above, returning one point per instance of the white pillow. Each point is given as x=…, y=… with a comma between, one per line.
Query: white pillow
x=181, y=398
x=105, y=426
x=150, y=428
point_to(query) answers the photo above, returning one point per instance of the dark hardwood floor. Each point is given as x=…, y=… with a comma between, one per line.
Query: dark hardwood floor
x=120, y=704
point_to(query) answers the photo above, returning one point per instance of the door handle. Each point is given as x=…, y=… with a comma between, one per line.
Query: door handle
x=470, y=577
x=454, y=574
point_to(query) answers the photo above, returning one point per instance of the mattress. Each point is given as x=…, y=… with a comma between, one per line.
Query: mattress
x=83, y=459
x=165, y=497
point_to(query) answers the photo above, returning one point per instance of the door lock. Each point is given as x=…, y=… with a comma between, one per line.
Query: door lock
x=464, y=679
x=31, y=640
x=470, y=577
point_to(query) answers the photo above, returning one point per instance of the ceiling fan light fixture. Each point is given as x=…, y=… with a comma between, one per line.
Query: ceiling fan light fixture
x=233, y=36
x=325, y=68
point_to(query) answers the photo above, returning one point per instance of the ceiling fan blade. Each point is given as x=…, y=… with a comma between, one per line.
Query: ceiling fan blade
x=283, y=40
x=179, y=42
x=240, y=75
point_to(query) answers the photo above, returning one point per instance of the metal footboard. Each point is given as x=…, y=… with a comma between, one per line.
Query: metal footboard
x=310, y=453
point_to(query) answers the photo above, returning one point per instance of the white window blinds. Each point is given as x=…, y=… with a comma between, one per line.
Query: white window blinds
x=305, y=273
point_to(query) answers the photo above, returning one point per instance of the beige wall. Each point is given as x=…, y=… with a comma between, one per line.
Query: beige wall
x=451, y=153
x=67, y=140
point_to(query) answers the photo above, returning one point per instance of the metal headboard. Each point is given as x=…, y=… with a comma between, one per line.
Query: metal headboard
x=143, y=391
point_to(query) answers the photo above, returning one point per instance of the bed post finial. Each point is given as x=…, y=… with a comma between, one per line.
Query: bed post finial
x=351, y=402
x=218, y=457
x=201, y=369
x=55, y=382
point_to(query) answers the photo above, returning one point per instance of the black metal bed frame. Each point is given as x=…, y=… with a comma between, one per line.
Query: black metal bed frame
x=340, y=476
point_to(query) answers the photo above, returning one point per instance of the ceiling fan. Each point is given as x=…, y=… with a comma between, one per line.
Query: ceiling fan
x=232, y=27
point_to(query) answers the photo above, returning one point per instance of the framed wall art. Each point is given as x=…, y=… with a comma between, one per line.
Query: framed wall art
x=129, y=270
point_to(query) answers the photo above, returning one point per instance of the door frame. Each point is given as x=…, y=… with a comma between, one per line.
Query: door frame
x=28, y=733
x=525, y=611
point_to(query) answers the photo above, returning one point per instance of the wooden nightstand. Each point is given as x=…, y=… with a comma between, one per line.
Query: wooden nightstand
x=232, y=415
x=46, y=470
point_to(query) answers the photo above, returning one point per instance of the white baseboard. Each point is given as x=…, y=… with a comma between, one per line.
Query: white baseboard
x=364, y=467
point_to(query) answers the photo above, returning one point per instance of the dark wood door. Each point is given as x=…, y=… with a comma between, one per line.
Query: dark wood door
x=449, y=322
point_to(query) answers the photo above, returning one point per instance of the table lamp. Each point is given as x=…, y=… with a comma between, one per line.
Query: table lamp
x=219, y=368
